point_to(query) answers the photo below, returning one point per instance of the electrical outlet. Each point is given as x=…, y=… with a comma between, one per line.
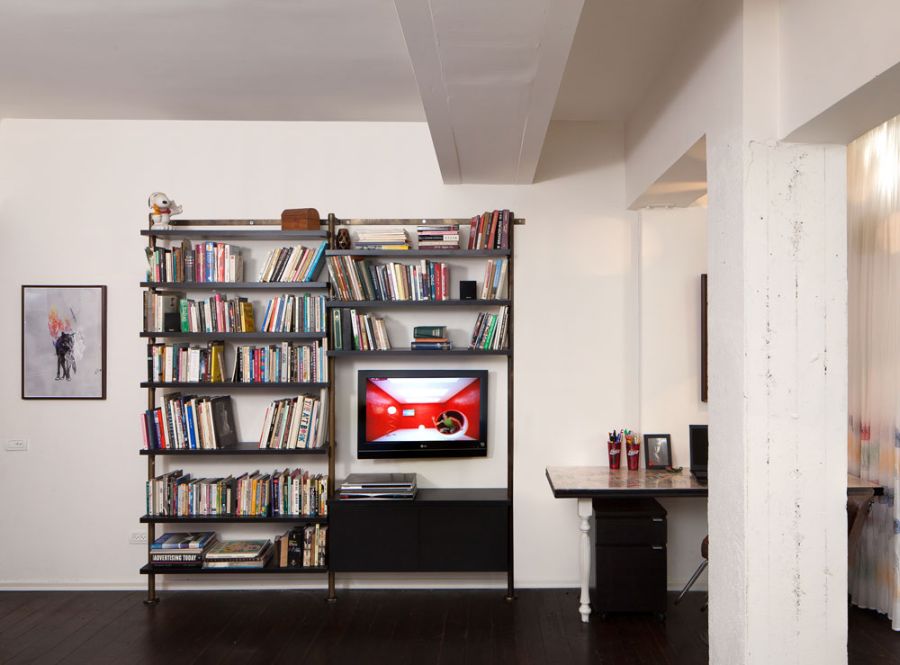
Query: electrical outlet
x=17, y=445
x=138, y=538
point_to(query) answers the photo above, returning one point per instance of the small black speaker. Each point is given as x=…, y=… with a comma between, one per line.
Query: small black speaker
x=467, y=289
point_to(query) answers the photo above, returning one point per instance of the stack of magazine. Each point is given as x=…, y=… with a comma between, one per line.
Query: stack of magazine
x=367, y=486
x=181, y=549
x=239, y=554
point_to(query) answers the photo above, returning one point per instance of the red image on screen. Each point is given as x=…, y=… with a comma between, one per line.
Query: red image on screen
x=423, y=409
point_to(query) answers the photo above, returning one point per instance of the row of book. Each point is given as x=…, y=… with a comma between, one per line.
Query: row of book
x=382, y=239
x=206, y=262
x=276, y=363
x=494, y=285
x=490, y=230
x=295, y=313
x=359, y=279
x=172, y=312
x=491, y=330
x=189, y=422
x=300, y=547
x=368, y=332
x=187, y=363
x=280, y=493
x=282, y=363
x=438, y=236
x=292, y=264
x=294, y=422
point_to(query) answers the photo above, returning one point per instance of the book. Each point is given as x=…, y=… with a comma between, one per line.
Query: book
x=369, y=332
x=295, y=313
x=430, y=331
x=490, y=331
x=357, y=278
x=183, y=540
x=285, y=362
x=292, y=264
x=236, y=550
x=430, y=346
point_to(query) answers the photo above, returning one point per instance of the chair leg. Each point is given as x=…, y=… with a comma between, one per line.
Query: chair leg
x=687, y=587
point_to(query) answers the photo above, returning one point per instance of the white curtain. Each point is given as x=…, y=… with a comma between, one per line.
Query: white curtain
x=874, y=373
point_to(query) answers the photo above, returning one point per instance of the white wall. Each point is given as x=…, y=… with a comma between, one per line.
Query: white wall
x=72, y=199
x=673, y=256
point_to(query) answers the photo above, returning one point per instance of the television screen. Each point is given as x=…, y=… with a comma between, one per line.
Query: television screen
x=422, y=413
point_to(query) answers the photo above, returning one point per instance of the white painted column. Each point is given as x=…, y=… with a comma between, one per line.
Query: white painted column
x=778, y=405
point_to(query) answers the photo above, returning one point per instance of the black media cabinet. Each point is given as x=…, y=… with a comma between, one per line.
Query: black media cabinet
x=441, y=530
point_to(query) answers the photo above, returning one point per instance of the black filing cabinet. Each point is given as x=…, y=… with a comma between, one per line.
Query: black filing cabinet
x=631, y=556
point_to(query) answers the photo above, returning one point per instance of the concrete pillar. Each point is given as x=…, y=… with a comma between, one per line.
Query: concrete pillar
x=778, y=404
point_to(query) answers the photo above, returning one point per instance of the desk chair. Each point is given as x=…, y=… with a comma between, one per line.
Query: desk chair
x=704, y=552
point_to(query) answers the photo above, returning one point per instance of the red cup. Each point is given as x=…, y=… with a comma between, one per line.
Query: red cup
x=615, y=454
x=632, y=451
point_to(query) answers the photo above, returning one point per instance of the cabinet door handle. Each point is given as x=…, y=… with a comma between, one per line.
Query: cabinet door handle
x=658, y=519
x=658, y=547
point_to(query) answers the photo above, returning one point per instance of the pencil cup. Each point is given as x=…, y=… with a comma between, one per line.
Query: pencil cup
x=632, y=451
x=615, y=454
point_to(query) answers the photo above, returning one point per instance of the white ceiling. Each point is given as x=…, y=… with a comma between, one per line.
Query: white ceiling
x=484, y=73
x=619, y=48
x=205, y=60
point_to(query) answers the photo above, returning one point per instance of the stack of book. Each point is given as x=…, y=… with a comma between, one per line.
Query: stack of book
x=187, y=362
x=216, y=314
x=292, y=264
x=290, y=492
x=189, y=422
x=382, y=239
x=303, y=547
x=494, y=285
x=181, y=549
x=295, y=422
x=358, y=279
x=285, y=362
x=294, y=313
x=438, y=236
x=490, y=332
x=207, y=262
x=430, y=338
x=361, y=486
x=490, y=230
x=239, y=554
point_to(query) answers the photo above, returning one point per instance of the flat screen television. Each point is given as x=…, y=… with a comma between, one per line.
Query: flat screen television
x=422, y=413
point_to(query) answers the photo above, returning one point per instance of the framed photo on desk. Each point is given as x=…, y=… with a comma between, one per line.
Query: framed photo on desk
x=657, y=451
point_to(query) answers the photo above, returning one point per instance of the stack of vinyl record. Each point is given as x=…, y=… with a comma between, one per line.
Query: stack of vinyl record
x=368, y=486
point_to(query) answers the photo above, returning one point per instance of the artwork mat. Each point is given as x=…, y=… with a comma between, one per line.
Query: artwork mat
x=33, y=332
x=667, y=451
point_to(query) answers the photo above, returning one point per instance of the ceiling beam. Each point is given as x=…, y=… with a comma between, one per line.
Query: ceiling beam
x=488, y=74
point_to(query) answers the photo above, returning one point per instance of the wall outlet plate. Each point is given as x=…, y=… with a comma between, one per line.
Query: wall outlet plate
x=17, y=445
x=138, y=538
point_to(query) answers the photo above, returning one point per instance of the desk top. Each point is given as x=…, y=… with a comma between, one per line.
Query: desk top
x=595, y=481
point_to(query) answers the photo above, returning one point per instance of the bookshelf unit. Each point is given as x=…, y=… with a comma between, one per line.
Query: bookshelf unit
x=481, y=509
x=453, y=504
x=244, y=230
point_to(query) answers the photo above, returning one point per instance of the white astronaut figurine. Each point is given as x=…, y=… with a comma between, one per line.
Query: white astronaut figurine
x=162, y=208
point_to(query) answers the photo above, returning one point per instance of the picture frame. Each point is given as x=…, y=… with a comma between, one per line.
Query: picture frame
x=657, y=451
x=64, y=341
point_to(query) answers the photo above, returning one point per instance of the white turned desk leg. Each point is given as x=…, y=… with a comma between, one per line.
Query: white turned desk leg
x=585, y=510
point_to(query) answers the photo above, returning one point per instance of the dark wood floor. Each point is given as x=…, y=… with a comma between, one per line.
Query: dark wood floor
x=362, y=628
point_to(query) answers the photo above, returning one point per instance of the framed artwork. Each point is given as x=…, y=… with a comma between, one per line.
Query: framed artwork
x=657, y=451
x=63, y=342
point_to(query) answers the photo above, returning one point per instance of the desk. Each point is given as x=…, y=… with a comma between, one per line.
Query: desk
x=584, y=483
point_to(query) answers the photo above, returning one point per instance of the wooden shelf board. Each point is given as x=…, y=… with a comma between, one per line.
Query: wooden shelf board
x=332, y=304
x=420, y=253
x=248, y=448
x=226, y=286
x=420, y=353
x=194, y=570
x=259, y=233
x=229, y=384
x=205, y=336
x=232, y=519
